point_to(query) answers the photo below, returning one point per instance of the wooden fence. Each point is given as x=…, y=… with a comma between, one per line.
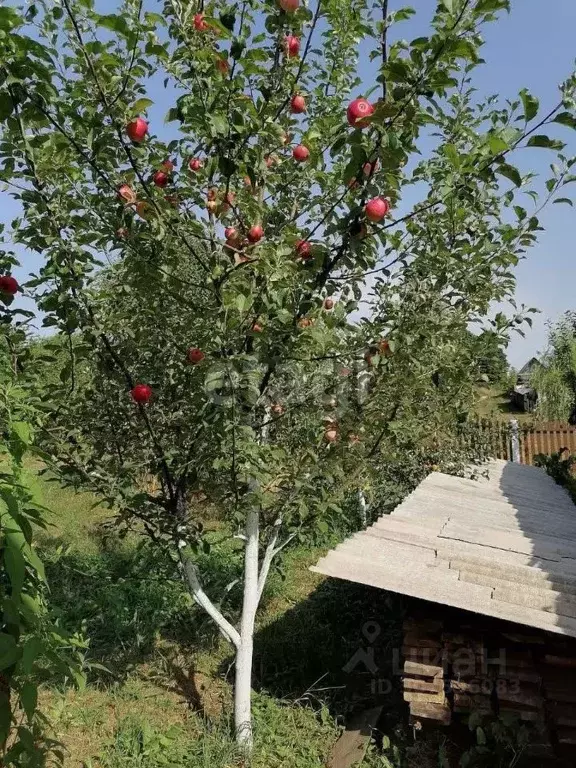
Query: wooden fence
x=547, y=438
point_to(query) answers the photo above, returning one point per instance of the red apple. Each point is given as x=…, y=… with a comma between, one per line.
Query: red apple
x=122, y=233
x=376, y=209
x=291, y=46
x=304, y=322
x=384, y=347
x=304, y=249
x=195, y=164
x=289, y=5
x=160, y=178
x=137, y=130
x=222, y=65
x=358, y=112
x=331, y=435
x=168, y=166
x=370, y=169
x=127, y=194
x=255, y=233
x=9, y=285
x=200, y=24
x=141, y=393
x=328, y=304
x=231, y=234
x=256, y=327
x=195, y=355
x=297, y=104
x=301, y=153
x=277, y=409
x=144, y=209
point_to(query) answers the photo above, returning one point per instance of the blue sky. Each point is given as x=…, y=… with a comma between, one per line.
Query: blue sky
x=532, y=47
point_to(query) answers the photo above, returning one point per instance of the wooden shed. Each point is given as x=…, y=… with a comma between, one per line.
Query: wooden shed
x=494, y=557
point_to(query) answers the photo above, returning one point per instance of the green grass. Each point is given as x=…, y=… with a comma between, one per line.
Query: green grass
x=493, y=403
x=160, y=693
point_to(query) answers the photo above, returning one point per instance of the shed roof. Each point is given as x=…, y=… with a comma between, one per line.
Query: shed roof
x=502, y=545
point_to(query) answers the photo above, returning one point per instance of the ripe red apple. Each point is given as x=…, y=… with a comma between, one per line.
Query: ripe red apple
x=358, y=111
x=127, y=194
x=160, y=179
x=141, y=393
x=200, y=24
x=9, y=285
x=328, y=304
x=369, y=169
x=195, y=355
x=255, y=233
x=168, y=166
x=122, y=233
x=331, y=435
x=304, y=249
x=222, y=65
x=231, y=234
x=291, y=46
x=376, y=209
x=384, y=347
x=137, y=130
x=297, y=104
x=289, y=5
x=195, y=164
x=256, y=327
x=301, y=153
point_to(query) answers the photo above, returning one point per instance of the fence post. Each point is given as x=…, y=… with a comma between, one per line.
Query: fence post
x=515, y=441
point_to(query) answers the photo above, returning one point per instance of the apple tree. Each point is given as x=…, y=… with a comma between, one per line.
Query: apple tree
x=256, y=310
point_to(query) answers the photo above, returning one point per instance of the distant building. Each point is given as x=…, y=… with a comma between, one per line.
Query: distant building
x=527, y=370
x=523, y=396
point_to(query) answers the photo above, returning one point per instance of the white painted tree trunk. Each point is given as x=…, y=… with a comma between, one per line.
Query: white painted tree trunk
x=245, y=651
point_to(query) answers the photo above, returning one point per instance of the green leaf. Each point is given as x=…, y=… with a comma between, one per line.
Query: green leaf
x=29, y=699
x=449, y=5
x=540, y=140
x=497, y=145
x=14, y=539
x=564, y=200
x=141, y=106
x=530, y=103
x=16, y=569
x=566, y=118
x=30, y=653
x=5, y=106
x=114, y=23
x=22, y=431
x=510, y=172
x=9, y=651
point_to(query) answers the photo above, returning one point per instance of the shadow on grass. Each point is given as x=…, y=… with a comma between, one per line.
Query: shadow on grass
x=336, y=647
x=128, y=599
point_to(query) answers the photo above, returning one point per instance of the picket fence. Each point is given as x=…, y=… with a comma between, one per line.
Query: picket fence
x=517, y=442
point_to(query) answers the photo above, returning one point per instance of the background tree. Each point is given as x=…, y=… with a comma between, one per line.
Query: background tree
x=242, y=241
x=555, y=380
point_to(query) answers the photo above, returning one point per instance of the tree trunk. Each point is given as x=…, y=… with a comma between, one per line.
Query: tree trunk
x=243, y=683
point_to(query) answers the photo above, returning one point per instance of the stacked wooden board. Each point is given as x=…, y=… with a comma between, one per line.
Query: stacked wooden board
x=501, y=548
x=456, y=663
